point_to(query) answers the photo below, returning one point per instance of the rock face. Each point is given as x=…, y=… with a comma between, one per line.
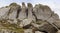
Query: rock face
x=5, y=12
x=13, y=11
x=30, y=14
x=57, y=23
x=28, y=19
x=22, y=14
x=42, y=12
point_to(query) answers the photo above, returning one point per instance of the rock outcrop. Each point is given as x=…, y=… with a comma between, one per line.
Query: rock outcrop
x=22, y=13
x=28, y=19
x=5, y=12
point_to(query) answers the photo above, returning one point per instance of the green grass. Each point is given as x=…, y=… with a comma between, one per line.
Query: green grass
x=12, y=27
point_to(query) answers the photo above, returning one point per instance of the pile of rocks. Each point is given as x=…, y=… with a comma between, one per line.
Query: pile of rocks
x=35, y=19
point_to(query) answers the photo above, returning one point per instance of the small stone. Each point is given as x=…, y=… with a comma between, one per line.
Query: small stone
x=25, y=22
x=38, y=32
x=28, y=31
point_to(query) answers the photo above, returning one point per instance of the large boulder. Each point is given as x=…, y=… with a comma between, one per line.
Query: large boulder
x=25, y=22
x=13, y=11
x=42, y=12
x=38, y=32
x=35, y=19
x=30, y=14
x=44, y=27
x=4, y=13
x=22, y=13
x=45, y=13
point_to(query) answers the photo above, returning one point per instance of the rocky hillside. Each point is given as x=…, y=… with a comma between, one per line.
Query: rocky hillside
x=28, y=19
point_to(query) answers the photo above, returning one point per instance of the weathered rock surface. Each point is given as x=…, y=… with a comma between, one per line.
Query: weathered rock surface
x=38, y=32
x=28, y=19
x=28, y=31
x=30, y=14
x=22, y=13
x=44, y=26
x=4, y=12
x=57, y=23
x=42, y=12
x=13, y=11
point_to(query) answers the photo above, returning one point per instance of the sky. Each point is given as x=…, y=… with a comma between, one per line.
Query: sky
x=53, y=4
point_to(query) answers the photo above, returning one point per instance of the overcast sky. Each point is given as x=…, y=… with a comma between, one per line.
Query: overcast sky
x=53, y=4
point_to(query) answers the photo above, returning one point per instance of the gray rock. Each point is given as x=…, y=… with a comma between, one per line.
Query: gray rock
x=45, y=13
x=44, y=26
x=13, y=13
x=53, y=18
x=4, y=13
x=35, y=18
x=57, y=23
x=41, y=12
x=30, y=17
x=25, y=22
x=12, y=21
x=28, y=31
x=22, y=14
x=30, y=14
x=38, y=32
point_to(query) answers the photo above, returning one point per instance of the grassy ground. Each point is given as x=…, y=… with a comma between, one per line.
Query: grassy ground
x=12, y=27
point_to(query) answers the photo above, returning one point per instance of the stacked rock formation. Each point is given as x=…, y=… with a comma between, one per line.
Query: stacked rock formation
x=28, y=19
